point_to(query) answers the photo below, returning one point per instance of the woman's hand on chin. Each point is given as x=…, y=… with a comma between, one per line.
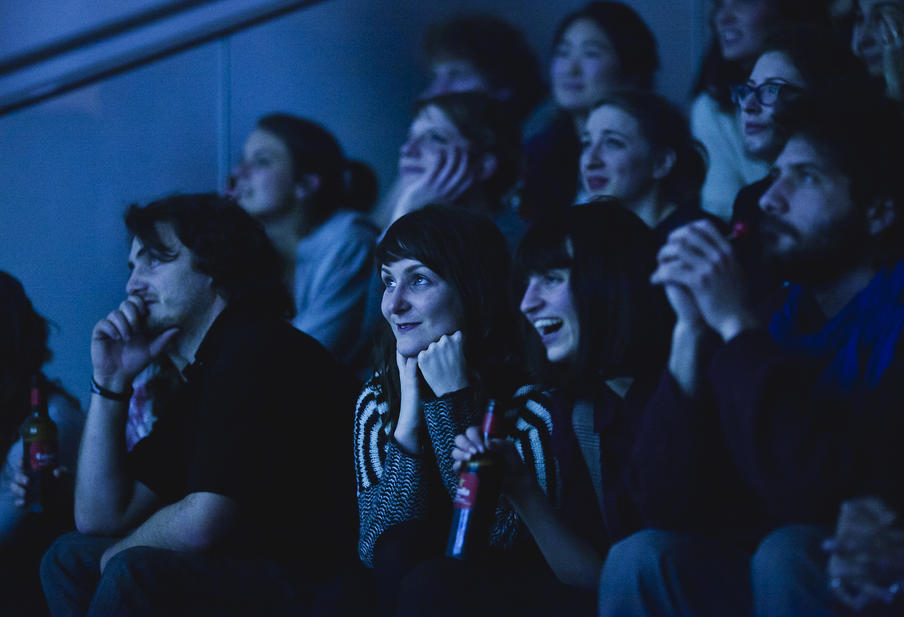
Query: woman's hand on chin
x=443, y=364
x=407, y=431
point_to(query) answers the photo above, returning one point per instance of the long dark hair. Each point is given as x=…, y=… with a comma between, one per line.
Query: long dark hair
x=314, y=150
x=624, y=321
x=469, y=253
x=23, y=351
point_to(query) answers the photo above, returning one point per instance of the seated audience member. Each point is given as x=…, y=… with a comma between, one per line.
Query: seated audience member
x=197, y=518
x=601, y=47
x=599, y=331
x=463, y=149
x=638, y=148
x=24, y=535
x=739, y=27
x=447, y=349
x=483, y=53
x=295, y=180
x=801, y=61
x=789, y=416
x=877, y=40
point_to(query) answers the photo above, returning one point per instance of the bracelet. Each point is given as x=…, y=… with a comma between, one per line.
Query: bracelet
x=123, y=397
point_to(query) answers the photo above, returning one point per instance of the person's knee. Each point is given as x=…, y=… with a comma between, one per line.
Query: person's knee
x=787, y=552
x=64, y=555
x=135, y=564
x=645, y=550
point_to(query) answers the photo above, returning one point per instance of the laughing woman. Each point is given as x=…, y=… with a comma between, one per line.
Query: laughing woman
x=600, y=333
x=448, y=348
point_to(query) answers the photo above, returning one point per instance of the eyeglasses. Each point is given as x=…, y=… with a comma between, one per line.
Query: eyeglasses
x=766, y=93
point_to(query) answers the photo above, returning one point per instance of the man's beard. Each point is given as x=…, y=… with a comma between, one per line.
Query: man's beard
x=826, y=255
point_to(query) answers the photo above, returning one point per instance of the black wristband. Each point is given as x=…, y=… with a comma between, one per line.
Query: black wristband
x=113, y=396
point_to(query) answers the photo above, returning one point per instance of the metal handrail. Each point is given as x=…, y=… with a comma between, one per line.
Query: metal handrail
x=95, y=35
x=125, y=62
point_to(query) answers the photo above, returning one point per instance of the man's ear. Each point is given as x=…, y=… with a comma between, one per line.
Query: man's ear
x=306, y=186
x=664, y=163
x=881, y=215
x=486, y=166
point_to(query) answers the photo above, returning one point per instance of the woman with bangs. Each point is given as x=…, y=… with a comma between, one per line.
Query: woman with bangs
x=599, y=335
x=448, y=349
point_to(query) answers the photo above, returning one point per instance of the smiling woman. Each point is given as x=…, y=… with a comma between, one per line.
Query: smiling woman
x=448, y=349
x=740, y=28
x=599, y=48
x=295, y=180
x=599, y=331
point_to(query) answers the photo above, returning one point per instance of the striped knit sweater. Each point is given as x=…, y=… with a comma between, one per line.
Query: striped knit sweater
x=392, y=484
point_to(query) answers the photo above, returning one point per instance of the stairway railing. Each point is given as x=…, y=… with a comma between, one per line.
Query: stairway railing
x=123, y=45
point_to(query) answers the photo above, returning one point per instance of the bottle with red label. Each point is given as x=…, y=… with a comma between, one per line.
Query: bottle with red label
x=39, y=451
x=474, y=505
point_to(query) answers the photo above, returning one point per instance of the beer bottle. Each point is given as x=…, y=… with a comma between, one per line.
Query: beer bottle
x=474, y=505
x=39, y=451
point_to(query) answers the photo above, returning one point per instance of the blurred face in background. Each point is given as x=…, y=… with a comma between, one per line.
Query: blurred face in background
x=432, y=139
x=264, y=179
x=774, y=79
x=616, y=158
x=584, y=66
x=455, y=75
x=741, y=26
x=875, y=21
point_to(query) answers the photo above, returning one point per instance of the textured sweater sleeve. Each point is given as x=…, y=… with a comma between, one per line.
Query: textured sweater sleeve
x=527, y=415
x=391, y=487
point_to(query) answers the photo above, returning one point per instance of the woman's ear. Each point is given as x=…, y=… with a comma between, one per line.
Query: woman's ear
x=306, y=186
x=664, y=164
x=486, y=166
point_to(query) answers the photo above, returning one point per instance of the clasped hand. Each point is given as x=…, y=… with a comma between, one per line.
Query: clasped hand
x=703, y=279
x=866, y=555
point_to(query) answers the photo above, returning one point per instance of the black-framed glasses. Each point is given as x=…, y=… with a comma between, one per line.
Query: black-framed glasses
x=766, y=93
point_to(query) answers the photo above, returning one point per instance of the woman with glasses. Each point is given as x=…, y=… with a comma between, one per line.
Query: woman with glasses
x=740, y=28
x=801, y=62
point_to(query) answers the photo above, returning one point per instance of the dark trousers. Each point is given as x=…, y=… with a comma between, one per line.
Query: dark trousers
x=151, y=581
x=669, y=574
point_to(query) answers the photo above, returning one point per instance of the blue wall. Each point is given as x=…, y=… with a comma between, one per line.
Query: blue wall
x=71, y=165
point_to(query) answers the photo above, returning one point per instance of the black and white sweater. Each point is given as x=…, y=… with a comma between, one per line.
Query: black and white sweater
x=392, y=484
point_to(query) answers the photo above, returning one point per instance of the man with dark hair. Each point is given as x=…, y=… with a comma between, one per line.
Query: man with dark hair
x=200, y=517
x=484, y=53
x=747, y=451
